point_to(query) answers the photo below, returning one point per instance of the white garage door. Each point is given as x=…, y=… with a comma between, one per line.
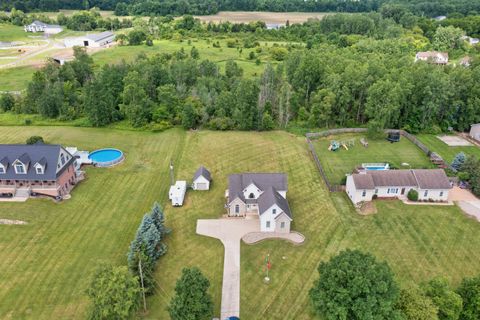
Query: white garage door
x=201, y=186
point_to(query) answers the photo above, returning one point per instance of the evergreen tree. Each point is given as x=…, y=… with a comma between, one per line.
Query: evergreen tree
x=158, y=218
x=191, y=300
x=458, y=161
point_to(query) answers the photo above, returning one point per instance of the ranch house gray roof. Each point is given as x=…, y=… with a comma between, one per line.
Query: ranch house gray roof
x=46, y=155
x=421, y=178
x=100, y=36
x=270, y=197
x=202, y=172
x=238, y=182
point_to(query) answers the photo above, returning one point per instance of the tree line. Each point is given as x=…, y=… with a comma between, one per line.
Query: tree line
x=354, y=285
x=163, y=7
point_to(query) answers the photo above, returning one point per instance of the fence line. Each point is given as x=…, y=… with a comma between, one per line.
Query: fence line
x=313, y=135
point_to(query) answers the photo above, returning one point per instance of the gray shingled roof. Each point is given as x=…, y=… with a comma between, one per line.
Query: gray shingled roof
x=100, y=36
x=422, y=178
x=238, y=182
x=44, y=153
x=202, y=172
x=270, y=197
x=431, y=179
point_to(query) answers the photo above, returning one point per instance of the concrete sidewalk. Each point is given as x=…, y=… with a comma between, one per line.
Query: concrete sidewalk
x=229, y=231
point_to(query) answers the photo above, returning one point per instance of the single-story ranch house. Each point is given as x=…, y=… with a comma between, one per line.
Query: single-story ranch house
x=263, y=195
x=38, y=26
x=38, y=169
x=201, y=179
x=431, y=184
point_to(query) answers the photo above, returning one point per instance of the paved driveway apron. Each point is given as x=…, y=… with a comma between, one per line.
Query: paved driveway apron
x=230, y=232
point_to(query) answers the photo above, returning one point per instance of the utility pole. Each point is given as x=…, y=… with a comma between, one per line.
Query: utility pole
x=143, y=287
x=172, y=182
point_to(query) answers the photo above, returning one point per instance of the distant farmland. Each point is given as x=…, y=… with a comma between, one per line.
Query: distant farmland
x=267, y=17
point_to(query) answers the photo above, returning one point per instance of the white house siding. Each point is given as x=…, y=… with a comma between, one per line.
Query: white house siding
x=284, y=221
x=251, y=189
x=475, y=132
x=201, y=184
x=359, y=195
x=270, y=222
x=392, y=192
x=242, y=208
x=435, y=195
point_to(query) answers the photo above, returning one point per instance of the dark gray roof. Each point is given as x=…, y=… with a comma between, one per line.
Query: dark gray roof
x=42, y=161
x=422, y=178
x=46, y=154
x=40, y=23
x=238, y=182
x=4, y=161
x=202, y=172
x=100, y=36
x=24, y=158
x=270, y=197
x=363, y=181
x=432, y=179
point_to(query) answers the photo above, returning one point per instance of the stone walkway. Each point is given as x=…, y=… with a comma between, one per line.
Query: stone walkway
x=230, y=232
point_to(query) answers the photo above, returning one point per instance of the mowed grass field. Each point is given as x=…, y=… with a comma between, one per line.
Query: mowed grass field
x=447, y=152
x=46, y=265
x=9, y=32
x=338, y=163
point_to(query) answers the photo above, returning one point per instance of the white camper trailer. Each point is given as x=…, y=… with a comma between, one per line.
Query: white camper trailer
x=177, y=193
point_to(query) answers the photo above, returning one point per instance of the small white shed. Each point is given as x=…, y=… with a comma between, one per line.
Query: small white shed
x=475, y=131
x=177, y=193
x=201, y=179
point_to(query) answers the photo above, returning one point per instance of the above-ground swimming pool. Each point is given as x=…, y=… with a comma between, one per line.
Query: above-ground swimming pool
x=106, y=157
x=376, y=166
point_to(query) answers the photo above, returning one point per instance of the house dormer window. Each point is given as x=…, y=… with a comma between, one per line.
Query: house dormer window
x=274, y=211
x=39, y=170
x=2, y=169
x=20, y=168
x=251, y=196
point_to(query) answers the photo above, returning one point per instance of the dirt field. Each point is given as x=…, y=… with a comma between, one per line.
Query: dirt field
x=267, y=17
x=455, y=141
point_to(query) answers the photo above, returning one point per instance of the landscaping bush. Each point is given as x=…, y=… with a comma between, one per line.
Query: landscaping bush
x=458, y=161
x=412, y=195
x=35, y=139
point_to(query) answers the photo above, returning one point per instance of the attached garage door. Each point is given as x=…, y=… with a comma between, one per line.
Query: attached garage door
x=201, y=186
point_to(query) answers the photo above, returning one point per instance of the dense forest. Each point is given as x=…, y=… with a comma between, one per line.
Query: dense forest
x=164, y=7
x=351, y=70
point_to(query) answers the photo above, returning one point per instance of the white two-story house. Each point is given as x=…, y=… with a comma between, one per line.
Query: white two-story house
x=263, y=195
x=431, y=184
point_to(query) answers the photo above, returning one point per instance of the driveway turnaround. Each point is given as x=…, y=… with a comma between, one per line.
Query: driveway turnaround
x=229, y=231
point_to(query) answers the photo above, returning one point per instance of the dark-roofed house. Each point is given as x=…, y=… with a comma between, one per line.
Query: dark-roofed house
x=263, y=195
x=201, y=179
x=38, y=169
x=431, y=184
x=39, y=26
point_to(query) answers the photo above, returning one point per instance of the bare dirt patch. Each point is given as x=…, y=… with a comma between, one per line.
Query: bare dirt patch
x=367, y=208
x=455, y=141
x=267, y=17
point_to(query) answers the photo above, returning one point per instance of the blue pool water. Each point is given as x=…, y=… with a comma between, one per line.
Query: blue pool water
x=375, y=168
x=107, y=157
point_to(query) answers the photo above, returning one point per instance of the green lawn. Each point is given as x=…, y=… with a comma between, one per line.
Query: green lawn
x=9, y=32
x=444, y=150
x=207, y=51
x=337, y=164
x=45, y=266
x=15, y=79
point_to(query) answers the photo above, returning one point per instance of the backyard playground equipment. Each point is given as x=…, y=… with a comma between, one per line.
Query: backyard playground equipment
x=335, y=145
